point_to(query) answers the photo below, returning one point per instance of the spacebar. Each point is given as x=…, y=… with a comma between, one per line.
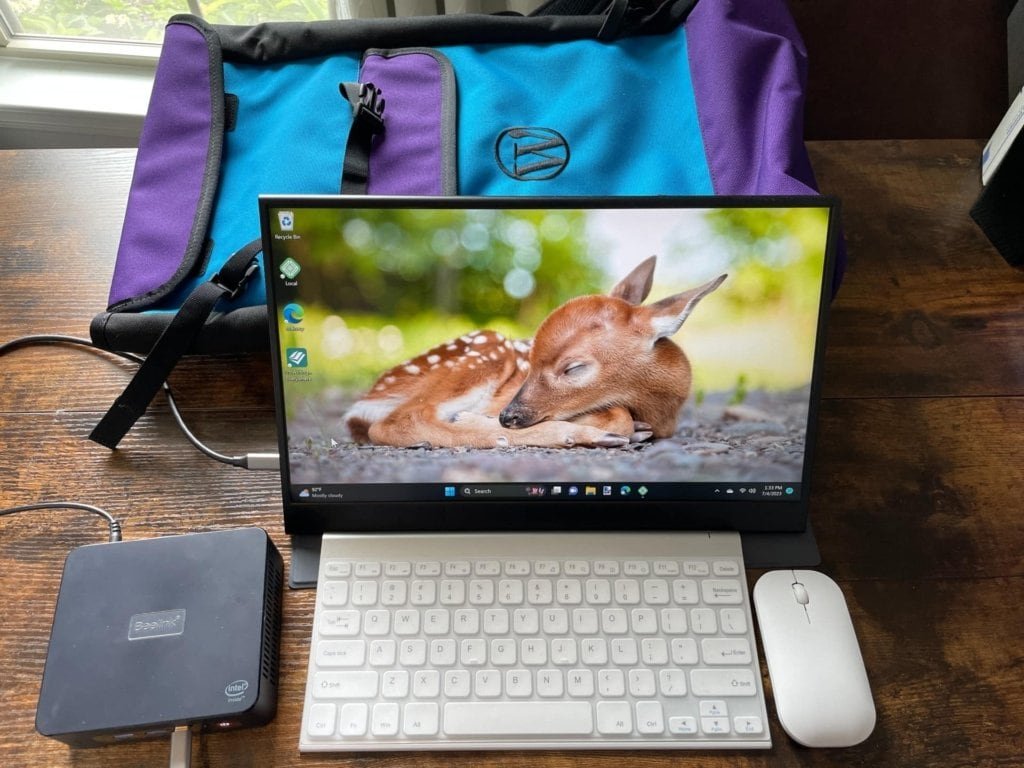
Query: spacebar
x=518, y=718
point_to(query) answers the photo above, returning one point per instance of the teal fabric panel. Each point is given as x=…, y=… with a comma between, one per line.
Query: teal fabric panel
x=626, y=110
x=289, y=138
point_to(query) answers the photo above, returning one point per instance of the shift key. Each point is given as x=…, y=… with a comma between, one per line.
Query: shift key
x=722, y=682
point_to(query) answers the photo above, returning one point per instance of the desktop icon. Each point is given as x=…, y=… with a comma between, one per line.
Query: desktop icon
x=556, y=490
x=606, y=490
x=297, y=357
x=591, y=490
x=293, y=313
x=642, y=490
x=304, y=493
x=573, y=490
x=287, y=220
x=625, y=490
x=789, y=490
x=290, y=269
x=449, y=490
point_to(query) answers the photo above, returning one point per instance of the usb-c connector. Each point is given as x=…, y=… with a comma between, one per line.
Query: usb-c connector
x=181, y=747
x=262, y=461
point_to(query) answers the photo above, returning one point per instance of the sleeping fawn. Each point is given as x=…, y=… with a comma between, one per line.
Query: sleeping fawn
x=601, y=371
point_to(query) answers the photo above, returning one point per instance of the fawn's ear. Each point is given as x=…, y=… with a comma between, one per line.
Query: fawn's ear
x=635, y=286
x=668, y=315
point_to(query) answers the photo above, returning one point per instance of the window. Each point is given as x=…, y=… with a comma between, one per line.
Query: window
x=143, y=20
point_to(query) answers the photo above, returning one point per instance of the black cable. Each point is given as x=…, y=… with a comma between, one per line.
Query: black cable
x=115, y=526
x=24, y=341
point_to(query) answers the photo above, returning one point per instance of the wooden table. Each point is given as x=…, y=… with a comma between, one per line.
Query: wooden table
x=918, y=488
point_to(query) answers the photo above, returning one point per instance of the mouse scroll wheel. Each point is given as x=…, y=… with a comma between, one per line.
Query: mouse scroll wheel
x=801, y=594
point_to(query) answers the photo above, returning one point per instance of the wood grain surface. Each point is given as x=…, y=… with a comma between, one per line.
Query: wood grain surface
x=917, y=487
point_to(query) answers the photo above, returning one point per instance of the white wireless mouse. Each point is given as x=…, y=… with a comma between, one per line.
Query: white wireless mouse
x=821, y=690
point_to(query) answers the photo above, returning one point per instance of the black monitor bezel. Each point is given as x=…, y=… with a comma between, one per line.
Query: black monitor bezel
x=549, y=514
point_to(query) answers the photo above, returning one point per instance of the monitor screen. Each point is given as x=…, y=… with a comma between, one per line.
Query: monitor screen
x=476, y=363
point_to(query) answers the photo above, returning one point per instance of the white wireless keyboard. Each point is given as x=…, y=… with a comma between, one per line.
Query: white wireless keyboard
x=540, y=641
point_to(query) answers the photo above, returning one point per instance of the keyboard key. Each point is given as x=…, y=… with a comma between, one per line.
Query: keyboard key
x=594, y=651
x=481, y=592
x=547, y=568
x=606, y=568
x=611, y=682
x=703, y=621
x=407, y=622
x=584, y=621
x=525, y=621
x=364, y=593
x=442, y=652
x=487, y=683
x=393, y=593
x=672, y=682
x=487, y=568
x=496, y=621
x=353, y=719
x=453, y=592
x=577, y=568
x=684, y=592
x=510, y=592
x=724, y=651
x=641, y=683
x=636, y=568
x=599, y=591
x=721, y=591
x=339, y=623
x=377, y=622
x=656, y=592
x=333, y=593
x=627, y=591
x=695, y=568
x=420, y=719
x=644, y=621
x=666, y=568
x=556, y=621
x=673, y=621
x=725, y=568
x=503, y=652
x=614, y=717
x=624, y=651
x=563, y=651
x=424, y=593
x=429, y=568
x=436, y=621
x=395, y=684
x=344, y=685
x=519, y=718
x=539, y=591
x=549, y=683
x=382, y=653
x=684, y=651
x=517, y=568
x=714, y=726
x=733, y=621
x=614, y=621
x=457, y=568
x=337, y=569
x=456, y=683
x=367, y=570
x=533, y=652
x=713, y=708
x=722, y=682
x=654, y=651
x=569, y=591
x=580, y=683
x=682, y=726
x=321, y=719
x=340, y=653
x=748, y=724
x=385, y=720
x=412, y=653
x=467, y=621
x=426, y=684
x=518, y=683
x=473, y=653
x=397, y=569
x=649, y=717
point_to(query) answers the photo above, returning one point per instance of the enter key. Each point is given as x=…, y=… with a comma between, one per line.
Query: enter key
x=725, y=650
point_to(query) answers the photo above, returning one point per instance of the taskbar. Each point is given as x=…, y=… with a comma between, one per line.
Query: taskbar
x=571, y=492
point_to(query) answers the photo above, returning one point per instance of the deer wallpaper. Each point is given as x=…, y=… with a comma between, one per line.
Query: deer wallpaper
x=542, y=345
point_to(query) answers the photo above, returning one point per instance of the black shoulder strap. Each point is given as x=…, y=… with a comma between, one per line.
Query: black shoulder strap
x=367, y=121
x=174, y=342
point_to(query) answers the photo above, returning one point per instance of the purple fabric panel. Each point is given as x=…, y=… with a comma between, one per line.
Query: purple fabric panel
x=406, y=158
x=169, y=167
x=749, y=68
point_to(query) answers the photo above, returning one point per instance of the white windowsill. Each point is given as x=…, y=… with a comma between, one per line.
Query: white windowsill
x=51, y=99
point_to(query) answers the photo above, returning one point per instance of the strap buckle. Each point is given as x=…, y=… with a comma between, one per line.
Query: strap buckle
x=233, y=288
x=367, y=104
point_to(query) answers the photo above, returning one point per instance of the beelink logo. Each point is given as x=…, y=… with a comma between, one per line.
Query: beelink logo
x=297, y=357
x=146, y=626
x=287, y=220
x=293, y=313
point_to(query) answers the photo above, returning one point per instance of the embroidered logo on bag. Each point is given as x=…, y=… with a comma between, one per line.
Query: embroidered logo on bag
x=531, y=154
